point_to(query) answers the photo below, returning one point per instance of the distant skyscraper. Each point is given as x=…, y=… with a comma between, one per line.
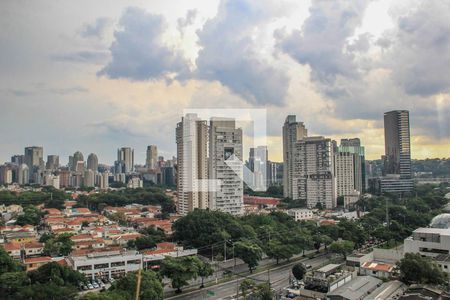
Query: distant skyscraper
x=293, y=131
x=192, y=143
x=89, y=178
x=258, y=165
x=77, y=157
x=350, y=149
x=5, y=174
x=397, y=159
x=225, y=140
x=313, y=172
x=34, y=159
x=92, y=162
x=52, y=162
x=18, y=159
x=23, y=174
x=125, y=157
x=152, y=157
x=64, y=178
x=397, y=143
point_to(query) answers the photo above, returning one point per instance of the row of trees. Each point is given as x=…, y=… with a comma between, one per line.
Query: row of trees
x=144, y=196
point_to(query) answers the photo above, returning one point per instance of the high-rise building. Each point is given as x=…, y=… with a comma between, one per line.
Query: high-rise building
x=257, y=163
x=89, y=178
x=293, y=131
x=77, y=157
x=350, y=167
x=152, y=157
x=23, y=174
x=313, y=172
x=225, y=140
x=80, y=167
x=125, y=160
x=52, y=162
x=104, y=181
x=397, y=143
x=192, y=148
x=397, y=159
x=34, y=159
x=64, y=178
x=274, y=173
x=92, y=162
x=5, y=174
x=18, y=159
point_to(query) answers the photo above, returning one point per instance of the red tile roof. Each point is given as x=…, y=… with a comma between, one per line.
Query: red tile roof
x=39, y=259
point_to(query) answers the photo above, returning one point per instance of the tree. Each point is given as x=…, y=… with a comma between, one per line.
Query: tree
x=59, y=245
x=246, y=285
x=279, y=250
x=417, y=269
x=298, y=270
x=204, y=271
x=144, y=242
x=31, y=215
x=7, y=264
x=12, y=282
x=262, y=291
x=343, y=247
x=151, y=287
x=48, y=290
x=249, y=252
x=57, y=274
x=180, y=270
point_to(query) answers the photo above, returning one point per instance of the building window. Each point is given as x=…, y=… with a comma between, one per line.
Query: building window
x=101, y=266
x=117, y=264
x=134, y=262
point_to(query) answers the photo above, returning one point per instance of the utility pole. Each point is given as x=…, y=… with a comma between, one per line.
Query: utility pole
x=138, y=284
x=387, y=213
x=225, y=251
x=268, y=269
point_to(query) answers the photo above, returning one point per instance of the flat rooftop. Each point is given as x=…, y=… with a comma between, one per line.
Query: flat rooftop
x=328, y=268
x=441, y=231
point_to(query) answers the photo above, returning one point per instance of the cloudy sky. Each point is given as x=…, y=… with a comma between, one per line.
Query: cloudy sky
x=97, y=75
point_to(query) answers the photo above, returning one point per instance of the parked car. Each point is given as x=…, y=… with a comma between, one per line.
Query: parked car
x=90, y=286
x=95, y=285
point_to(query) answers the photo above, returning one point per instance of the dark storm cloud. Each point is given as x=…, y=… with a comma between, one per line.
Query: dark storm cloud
x=323, y=39
x=138, y=52
x=229, y=54
x=420, y=54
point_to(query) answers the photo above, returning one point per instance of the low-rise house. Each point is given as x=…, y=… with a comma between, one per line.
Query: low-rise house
x=152, y=258
x=33, y=263
x=380, y=270
x=301, y=214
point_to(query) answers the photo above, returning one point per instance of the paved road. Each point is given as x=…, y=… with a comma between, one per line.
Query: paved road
x=279, y=278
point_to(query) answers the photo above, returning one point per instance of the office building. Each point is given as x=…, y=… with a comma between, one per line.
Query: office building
x=257, y=163
x=18, y=159
x=397, y=177
x=225, y=140
x=104, y=181
x=6, y=174
x=77, y=157
x=349, y=163
x=293, y=131
x=33, y=158
x=313, y=172
x=92, y=162
x=64, y=178
x=192, y=147
x=274, y=173
x=80, y=167
x=51, y=180
x=52, y=162
x=151, y=161
x=125, y=160
x=89, y=178
x=23, y=176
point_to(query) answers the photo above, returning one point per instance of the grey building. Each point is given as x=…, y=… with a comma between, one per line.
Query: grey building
x=293, y=131
x=52, y=162
x=92, y=162
x=356, y=289
x=125, y=159
x=225, y=140
x=151, y=160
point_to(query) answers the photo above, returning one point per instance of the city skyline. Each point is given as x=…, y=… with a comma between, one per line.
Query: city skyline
x=82, y=69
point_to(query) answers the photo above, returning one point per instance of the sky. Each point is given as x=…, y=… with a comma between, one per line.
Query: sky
x=98, y=75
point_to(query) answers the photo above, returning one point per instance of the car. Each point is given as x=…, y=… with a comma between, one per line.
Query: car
x=90, y=286
x=84, y=287
x=95, y=285
x=112, y=280
x=308, y=266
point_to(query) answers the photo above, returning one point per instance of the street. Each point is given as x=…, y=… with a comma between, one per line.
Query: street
x=279, y=278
